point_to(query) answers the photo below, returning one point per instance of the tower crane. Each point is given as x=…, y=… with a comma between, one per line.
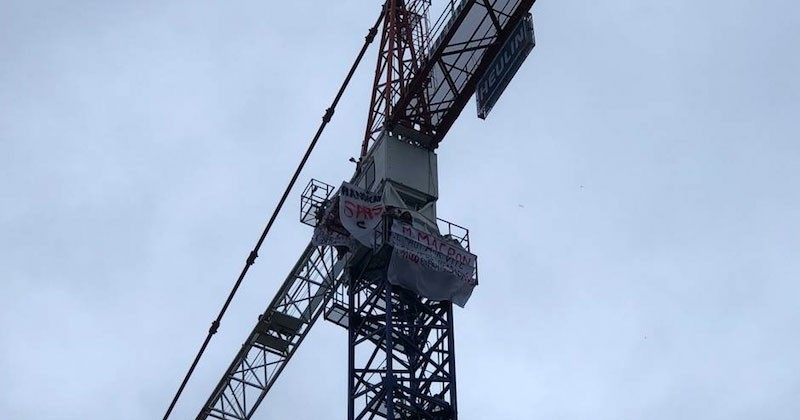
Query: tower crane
x=381, y=264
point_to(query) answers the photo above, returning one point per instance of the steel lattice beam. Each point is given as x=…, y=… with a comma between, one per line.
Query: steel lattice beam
x=466, y=39
x=404, y=40
x=401, y=349
x=276, y=336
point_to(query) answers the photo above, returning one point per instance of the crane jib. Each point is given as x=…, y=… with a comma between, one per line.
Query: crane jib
x=504, y=66
x=465, y=45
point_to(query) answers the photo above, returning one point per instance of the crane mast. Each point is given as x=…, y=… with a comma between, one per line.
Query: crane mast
x=401, y=358
x=380, y=263
x=403, y=43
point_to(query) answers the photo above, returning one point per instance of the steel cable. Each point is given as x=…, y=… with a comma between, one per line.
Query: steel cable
x=326, y=118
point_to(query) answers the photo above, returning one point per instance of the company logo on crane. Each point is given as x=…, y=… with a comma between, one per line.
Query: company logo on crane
x=504, y=66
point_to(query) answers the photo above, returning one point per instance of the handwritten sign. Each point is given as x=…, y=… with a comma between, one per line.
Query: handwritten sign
x=431, y=265
x=360, y=212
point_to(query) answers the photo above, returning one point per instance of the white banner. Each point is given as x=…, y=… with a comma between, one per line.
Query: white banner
x=431, y=265
x=360, y=212
x=433, y=250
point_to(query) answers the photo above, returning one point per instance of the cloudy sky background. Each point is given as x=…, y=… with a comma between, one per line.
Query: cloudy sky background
x=633, y=199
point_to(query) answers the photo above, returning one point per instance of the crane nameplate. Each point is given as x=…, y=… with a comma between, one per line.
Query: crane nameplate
x=504, y=66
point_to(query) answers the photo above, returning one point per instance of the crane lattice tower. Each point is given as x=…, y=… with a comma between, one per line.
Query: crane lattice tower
x=383, y=287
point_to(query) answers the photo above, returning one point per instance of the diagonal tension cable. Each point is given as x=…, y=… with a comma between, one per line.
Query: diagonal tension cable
x=254, y=253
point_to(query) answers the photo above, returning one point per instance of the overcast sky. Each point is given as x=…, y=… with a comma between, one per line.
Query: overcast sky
x=633, y=200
